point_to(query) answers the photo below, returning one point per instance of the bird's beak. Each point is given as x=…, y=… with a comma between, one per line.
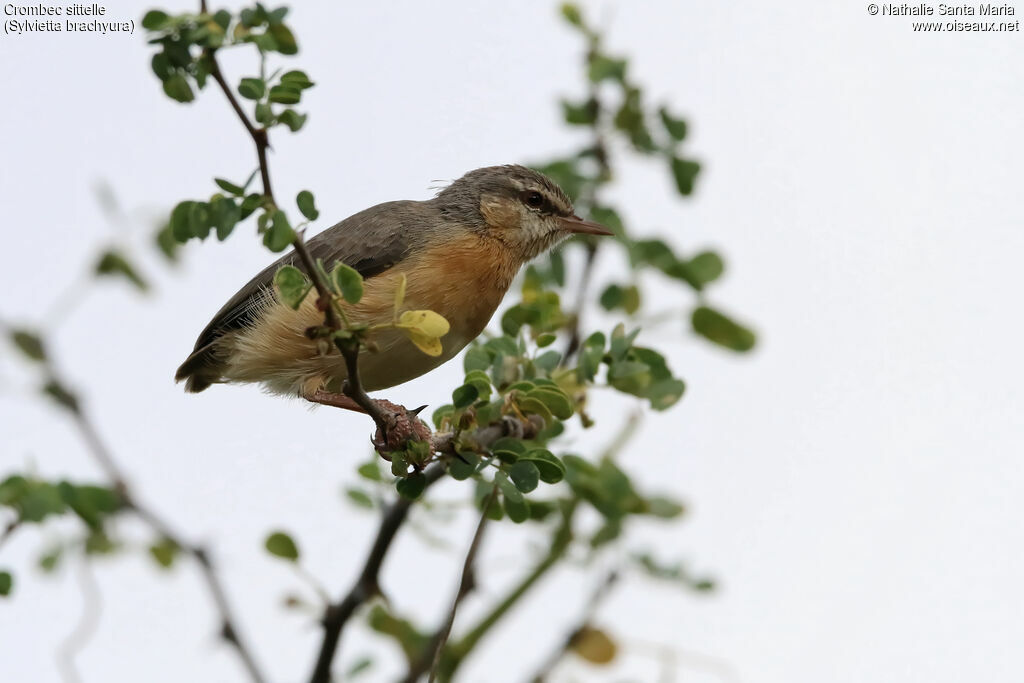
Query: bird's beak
x=576, y=224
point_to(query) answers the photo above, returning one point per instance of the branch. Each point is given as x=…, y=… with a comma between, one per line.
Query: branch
x=581, y=300
x=86, y=626
x=258, y=135
x=101, y=453
x=431, y=657
x=559, y=543
x=367, y=584
x=599, y=595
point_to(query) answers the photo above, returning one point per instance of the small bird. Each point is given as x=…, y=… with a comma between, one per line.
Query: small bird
x=459, y=253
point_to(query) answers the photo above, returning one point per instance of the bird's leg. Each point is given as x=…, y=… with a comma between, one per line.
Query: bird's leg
x=335, y=400
x=402, y=424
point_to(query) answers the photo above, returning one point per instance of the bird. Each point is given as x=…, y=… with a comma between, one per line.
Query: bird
x=457, y=252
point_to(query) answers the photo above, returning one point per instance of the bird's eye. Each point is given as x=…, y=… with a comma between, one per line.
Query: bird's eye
x=532, y=199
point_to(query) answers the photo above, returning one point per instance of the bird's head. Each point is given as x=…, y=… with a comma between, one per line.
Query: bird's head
x=524, y=210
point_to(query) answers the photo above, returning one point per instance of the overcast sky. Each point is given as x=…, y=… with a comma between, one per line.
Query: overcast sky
x=854, y=484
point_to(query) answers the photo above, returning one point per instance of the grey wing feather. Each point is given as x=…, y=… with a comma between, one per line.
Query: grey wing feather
x=370, y=241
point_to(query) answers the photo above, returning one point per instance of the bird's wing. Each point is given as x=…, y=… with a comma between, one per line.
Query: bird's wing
x=370, y=241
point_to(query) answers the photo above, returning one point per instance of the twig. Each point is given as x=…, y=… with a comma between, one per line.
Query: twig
x=101, y=453
x=367, y=584
x=86, y=626
x=599, y=595
x=432, y=654
x=581, y=299
x=258, y=135
x=9, y=530
x=559, y=543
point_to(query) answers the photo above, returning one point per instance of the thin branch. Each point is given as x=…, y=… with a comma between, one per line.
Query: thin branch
x=598, y=596
x=9, y=530
x=86, y=626
x=431, y=657
x=258, y=135
x=457, y=651
x=581, y=300
x=102, y=454
x=367, y=585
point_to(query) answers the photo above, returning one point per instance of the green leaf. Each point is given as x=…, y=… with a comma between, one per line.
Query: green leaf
x=411, y=487
x=706, y=267
x=113, y=263
x=281, y=545
x=296, y=79
x=292, y=286
x=571, y=13
x=525, y=475
x=370, y=471
x=284, y=94
x=166, y=243
x=507, y=488
x=550, y=468
x=665, y=393
x=306, y=205
x=462, y=466
x=6, y=583
x=264, y=114
x=292, y=119
x=252, y=88
x=229, y=186
x=277, y=16
x=685, y=172
x=477, y=358
x=359, y=498
x=616, y=296
x=163, y=552
x=49, y=561
x=280, y=235
x=29, y=344
x=517, y=510
x=285, y=40
x=632, y=377
x=154, y=19
x=161, y=66
x=225, y=214
x=252, y=201
x=465, y=395
x=534, y=406
x=39, y=500
x=676, y=128
x=584, y=114
x=663, y=508
x=722, y=330
x=177, y=88
x=621, y=342
x=555, y=400
x=591, y=354
x=348, y=281
x=605, y=68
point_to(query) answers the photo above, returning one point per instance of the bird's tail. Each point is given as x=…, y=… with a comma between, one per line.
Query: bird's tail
x=201, y=369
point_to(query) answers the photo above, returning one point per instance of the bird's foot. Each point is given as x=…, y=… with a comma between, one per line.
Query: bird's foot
x=402, y=425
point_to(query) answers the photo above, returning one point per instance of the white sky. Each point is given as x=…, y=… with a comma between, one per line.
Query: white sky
x=854, y=483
